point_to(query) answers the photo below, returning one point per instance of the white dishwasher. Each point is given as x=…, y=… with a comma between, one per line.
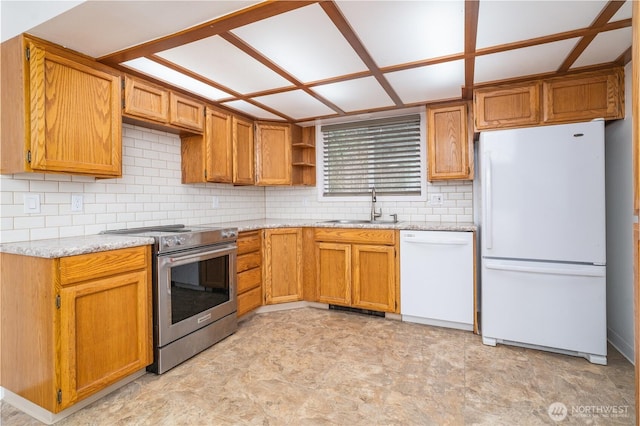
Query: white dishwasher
x=437, y=278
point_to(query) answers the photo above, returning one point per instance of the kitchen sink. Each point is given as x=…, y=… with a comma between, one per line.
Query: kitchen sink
x=361, y=222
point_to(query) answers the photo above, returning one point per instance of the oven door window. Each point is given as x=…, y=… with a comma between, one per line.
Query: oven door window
x=199, y=286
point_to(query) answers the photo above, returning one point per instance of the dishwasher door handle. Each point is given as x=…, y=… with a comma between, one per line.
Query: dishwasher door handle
x=436, y=241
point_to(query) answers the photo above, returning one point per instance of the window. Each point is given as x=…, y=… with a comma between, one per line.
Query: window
x=385, y=153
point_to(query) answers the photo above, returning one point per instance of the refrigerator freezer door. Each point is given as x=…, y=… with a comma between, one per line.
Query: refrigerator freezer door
x=543, y=193
x=552, y=305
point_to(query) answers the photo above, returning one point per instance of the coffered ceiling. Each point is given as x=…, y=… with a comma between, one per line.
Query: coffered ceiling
x=303, y=60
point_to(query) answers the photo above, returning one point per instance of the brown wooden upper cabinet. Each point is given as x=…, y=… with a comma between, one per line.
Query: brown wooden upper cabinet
x=304, y=158
x=450, y=144
x=157, y=104
x=508, y=106
x=273, y=152
x=571, y=98
x=60, y=111
x=209, y=157
x=584, y=97
x=243, y=152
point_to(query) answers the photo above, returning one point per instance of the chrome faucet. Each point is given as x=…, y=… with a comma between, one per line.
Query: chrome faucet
x=374, y=214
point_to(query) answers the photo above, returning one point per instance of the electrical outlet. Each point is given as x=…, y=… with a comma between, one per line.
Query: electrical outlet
x=77, y=202
x=215, y=202
x=436, y=199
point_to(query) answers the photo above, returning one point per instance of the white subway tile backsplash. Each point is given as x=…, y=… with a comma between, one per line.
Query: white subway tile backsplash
x=150, y=192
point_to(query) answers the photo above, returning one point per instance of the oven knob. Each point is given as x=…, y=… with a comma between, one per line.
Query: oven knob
x=180, y=241
x=169, y=242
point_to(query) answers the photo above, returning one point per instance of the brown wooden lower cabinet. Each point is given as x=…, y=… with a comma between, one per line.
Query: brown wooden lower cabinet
x=357, y=268
x=75, y=325
x=249, y=267
x=283, y=268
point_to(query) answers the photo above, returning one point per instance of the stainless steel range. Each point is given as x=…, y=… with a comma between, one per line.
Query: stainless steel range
x=194, y=289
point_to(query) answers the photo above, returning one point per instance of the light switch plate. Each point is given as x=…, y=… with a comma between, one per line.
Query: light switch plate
x=32, y=203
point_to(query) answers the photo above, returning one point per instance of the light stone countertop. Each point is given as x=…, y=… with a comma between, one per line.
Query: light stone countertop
x=71, y=246
x=250, y=225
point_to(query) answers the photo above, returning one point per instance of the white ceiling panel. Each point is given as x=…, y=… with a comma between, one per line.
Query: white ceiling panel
x=296, y=104
x=97, y=28
x=355, y=95
x=168, y=75
x=251, y=110
x=522, y=62
x=220, y=61
x=14, y=19
x=501, y=22
x=624, y=12
x=407, y=31
x=432, y=83
x=305, y=43
x=606, y=47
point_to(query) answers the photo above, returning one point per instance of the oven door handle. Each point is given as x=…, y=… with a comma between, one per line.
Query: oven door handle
x=201, y=254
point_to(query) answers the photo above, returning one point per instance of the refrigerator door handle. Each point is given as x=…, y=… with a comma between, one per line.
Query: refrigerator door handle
x=488, y=223
x=576, y=270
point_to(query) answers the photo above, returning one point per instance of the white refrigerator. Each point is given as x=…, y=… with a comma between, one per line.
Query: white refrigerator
x=542, y=237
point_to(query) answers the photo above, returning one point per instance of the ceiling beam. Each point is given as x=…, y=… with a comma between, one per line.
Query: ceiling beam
x=226, y=23
x=607, y=13
x=349, y=34
x=471, y=8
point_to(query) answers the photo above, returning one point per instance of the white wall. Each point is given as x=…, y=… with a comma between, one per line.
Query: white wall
x=619, y=188
x=149, y=193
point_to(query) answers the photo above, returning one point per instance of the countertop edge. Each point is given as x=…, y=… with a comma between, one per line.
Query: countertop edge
x=73, y=246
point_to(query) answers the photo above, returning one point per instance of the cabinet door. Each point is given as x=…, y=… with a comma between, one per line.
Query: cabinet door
x=374, y=277
x=243, y=160
x=145, y=100
x=105, y=333
x=333, y=273
x=219, y=146
x=75, y=118
x=595, y=95
x=282, y=265
x=185, y=112
x=449, y=143
x=273, y=154
x=507, y=106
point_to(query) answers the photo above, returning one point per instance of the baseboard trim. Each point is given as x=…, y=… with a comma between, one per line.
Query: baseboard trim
x=621, y=345
x=47, y=417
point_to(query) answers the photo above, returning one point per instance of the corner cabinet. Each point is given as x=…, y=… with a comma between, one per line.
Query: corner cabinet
x=60, y=111
x=357, y=268
x=304, y=158
x=450, y=144
x=282, y=268
x=273, y=152
x=75, y=325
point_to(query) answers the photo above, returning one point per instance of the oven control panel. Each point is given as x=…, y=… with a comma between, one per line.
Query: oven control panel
x=183, y=240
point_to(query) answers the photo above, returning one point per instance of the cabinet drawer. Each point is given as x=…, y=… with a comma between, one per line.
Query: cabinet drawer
x=248, y=242
x=249, y=261
x=249, y=279
x=85, y=267
x=249, y=301
x=366, y=236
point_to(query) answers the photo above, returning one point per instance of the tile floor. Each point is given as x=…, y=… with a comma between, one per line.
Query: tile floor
x=317, y=367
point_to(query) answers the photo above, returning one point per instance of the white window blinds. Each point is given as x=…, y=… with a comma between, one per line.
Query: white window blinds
x=383, y=153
